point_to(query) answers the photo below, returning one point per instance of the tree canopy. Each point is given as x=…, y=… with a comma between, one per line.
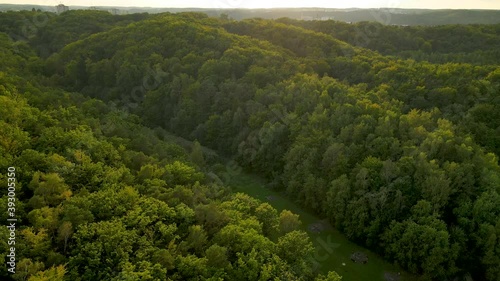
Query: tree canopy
x=118, y=125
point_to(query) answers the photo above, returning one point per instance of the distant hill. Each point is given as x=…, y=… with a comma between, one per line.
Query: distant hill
x=387, y=16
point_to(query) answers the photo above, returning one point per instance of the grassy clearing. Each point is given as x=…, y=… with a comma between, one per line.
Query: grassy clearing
x=332, y=248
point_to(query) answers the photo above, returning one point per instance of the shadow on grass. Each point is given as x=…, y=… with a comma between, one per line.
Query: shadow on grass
x=333, y=250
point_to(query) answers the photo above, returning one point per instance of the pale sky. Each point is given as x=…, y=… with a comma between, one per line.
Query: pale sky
x=426, y=4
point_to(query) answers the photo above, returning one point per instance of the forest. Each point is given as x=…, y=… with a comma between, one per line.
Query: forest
x=119, y=129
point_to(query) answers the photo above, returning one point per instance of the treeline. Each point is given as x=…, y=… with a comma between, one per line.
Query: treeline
x=475, y=44
x=459, y=90
x=48, y=33
x=401, y=155
x=101, y=197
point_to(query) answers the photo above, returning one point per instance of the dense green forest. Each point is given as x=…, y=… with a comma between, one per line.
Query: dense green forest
x=389, y=15
x=390, y=133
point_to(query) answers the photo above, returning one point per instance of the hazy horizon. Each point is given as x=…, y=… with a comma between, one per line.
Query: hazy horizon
x=403, y=4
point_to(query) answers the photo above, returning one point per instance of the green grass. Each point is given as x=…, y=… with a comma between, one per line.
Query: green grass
x=332, y=248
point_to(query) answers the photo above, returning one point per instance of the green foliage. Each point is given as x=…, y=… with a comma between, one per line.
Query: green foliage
x=197, y=155
x=94, y=208
x=396, y=143
x=288, y=222
x=53, y=273
x=332, y=276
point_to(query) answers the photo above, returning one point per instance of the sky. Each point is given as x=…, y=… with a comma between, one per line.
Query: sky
x=425, y=4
